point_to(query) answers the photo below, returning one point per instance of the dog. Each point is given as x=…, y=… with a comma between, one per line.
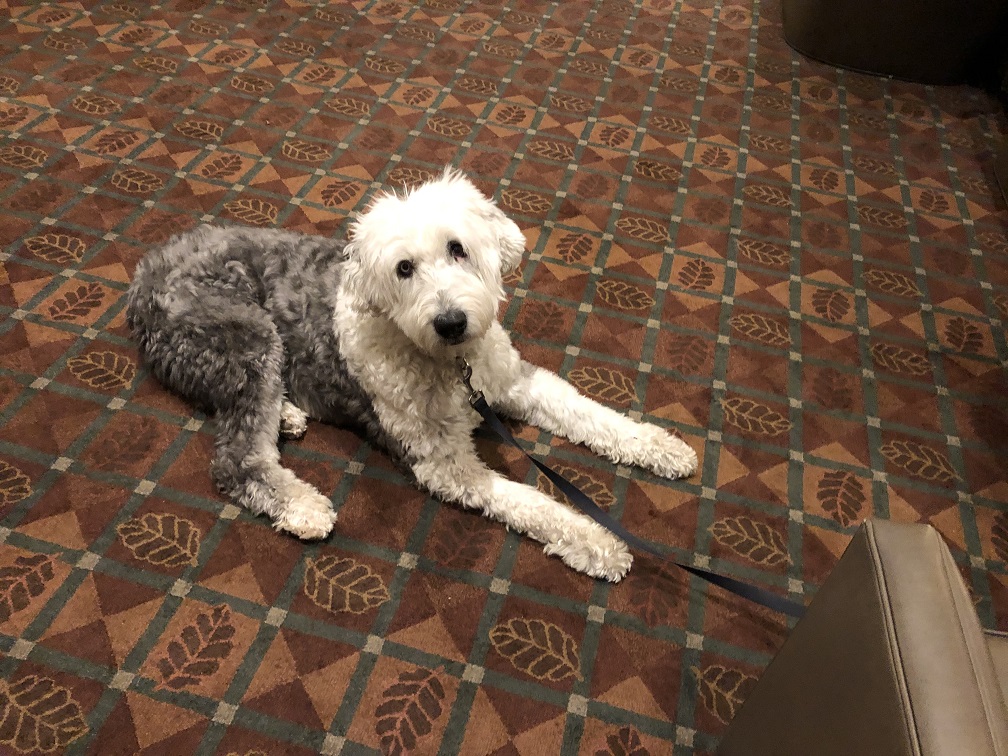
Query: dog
x=266, y=328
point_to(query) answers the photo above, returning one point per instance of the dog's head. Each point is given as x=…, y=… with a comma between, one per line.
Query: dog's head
x=431, y=261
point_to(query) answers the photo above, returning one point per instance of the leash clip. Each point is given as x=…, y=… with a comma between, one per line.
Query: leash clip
x=474, y=395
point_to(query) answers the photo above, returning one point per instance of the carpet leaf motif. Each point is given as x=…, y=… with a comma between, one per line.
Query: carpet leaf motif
x=56, y=248
x=963, y=336
x=408, y=177
x=541, y=320
x=254, y=211
x=250, y=83
x=510, y=115
x=570, y=103
x=342, y=584
x=304, y=152
x=204, y=131
x=761, y=328
x=625, y=742
x=920, y=461
x=477, y=85
x=14, y=485
x=384, y=65
x=23, y=156
x=223, y=166
x=198, y=650
x=654, y=594
x=462, y=541
x=12, y=115
x=715, y=157
x=891, y=282
x=657, y=171
x=162, y=539
x=999, y=535
x=136, y=181
x=879, y=216
x=23, y=581
x=841, y=493
x=156, y=64
x=119, y=452
x=765, y=194
x=94, y=104
x=550, y=150
x=319, y=74
x=671, y=125
x=575, y=247
x=832, y=389
x=596, y=489
x=686, y=353
x=103, y=370
x=642, y=228
x=524, y=201
x=297, y=48
x=349, y=106
x=408, y=710
x=450, y=127
x=831, y=304
x=338, y=192
x=540, y=649
x=78, y=302
x=899, y=360
x=113, y=141
x=623, y=295
x=764, y=252
x=39, y=715
x=604, y=383
x=207, y=28
x=696, y=275
x=722, y=689
x=752, y=539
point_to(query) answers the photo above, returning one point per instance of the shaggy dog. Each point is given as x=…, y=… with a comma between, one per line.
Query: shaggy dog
x=265, y=329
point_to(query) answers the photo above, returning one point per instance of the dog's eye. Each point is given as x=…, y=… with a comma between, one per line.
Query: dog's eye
x=404, y=269
x=456, y=250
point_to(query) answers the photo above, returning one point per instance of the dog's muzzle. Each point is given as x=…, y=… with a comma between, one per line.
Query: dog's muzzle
x=451, y=326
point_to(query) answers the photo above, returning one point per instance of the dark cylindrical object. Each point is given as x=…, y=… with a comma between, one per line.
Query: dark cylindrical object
x=930, y=41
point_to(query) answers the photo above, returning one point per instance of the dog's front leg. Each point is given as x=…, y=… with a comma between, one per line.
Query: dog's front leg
x=544, y=399
x=582, y=544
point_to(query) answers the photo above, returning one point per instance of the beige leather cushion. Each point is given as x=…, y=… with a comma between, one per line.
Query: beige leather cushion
x=889, y=659
x=998, y=645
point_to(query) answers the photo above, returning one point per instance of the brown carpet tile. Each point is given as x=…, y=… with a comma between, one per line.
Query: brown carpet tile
x=802, y=270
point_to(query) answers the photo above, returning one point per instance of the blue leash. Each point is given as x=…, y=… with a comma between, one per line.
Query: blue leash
x=585, y=504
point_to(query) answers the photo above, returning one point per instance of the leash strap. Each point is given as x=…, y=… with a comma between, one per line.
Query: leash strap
x=584, y=503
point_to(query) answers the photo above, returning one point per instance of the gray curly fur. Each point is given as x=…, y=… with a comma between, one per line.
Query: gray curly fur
x=233, y=319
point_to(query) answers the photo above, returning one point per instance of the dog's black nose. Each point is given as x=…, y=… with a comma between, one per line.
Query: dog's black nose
x=451, y=325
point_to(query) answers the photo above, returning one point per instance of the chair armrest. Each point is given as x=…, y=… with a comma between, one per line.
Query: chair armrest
x=890, y=658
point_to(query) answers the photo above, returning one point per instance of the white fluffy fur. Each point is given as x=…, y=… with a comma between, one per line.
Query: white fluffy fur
x=411, y=375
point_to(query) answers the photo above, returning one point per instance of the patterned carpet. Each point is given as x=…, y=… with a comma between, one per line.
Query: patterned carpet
x=803, y=271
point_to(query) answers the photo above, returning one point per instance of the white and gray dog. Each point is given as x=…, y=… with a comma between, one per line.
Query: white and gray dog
x=266, y=328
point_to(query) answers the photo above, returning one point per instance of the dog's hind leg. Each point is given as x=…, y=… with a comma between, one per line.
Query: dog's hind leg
x=228, y=357
x=547, y=401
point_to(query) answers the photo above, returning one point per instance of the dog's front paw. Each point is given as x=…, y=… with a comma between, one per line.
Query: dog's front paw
x=293, y=421
x=665, y=454
x=594, y=551
x=307, y=514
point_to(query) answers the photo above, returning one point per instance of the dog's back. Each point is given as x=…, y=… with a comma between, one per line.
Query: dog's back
x=216, y=298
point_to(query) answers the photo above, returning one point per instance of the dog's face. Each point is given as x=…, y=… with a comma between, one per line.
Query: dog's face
x=431, y=262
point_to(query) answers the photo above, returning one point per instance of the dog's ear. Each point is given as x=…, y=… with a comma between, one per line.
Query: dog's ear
x=510, y=239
